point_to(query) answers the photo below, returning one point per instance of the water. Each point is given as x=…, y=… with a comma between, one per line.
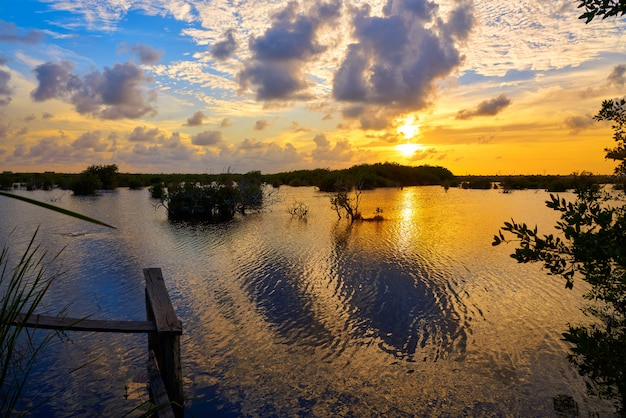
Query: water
x=417, y=315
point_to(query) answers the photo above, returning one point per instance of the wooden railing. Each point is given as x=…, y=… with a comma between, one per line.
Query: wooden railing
x=164, y=330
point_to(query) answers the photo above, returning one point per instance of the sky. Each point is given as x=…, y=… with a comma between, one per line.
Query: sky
x=183, y=86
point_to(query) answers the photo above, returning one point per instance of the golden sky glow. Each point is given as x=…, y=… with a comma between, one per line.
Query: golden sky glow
x=186, y=86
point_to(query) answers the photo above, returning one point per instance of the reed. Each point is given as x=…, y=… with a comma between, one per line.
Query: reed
x=22, y=288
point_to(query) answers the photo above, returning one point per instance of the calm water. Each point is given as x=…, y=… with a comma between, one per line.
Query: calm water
x=417, y=315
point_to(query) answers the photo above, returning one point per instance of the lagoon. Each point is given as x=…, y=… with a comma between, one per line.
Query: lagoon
x=417, y=315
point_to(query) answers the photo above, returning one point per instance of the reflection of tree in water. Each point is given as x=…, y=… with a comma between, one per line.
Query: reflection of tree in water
x=397, y=301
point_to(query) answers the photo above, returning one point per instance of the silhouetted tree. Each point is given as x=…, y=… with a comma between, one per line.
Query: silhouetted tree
x=591, y=245
x=603, y=8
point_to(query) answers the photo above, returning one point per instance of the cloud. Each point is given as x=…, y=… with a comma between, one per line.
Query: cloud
x=90, y=141
x=579, y=123
x=115, y=93
x=8, y=33
x=297, y=127
x=225, y=123
x=617, y=77
x=5, y=88
x=489, y=107
x=51, y=148
x=261, y=124
x=207, y=138
x=324, y=151
x=252, y=152
x=224, y=49
x=143, y=134
x=276, y=70
x=146, y=54
x=397, y=58
x=196, y=119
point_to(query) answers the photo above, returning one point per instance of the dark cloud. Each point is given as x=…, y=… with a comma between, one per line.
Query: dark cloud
x=618, y=76
x=224, y=49
x=489, y=107
x=578, y=123
x=5, y=88
x=47, y=116
x=146, y=54
x=276, y=70
x=196, y=119
x=261, y=124
x=143, y=134
x=9, y=33
x=397, y=58
x=225, y=123
x=30, y=118
x=207, y=138
x=115, y=93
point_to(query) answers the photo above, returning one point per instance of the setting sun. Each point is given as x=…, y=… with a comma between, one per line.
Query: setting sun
x=408, y=149
x=409, y=128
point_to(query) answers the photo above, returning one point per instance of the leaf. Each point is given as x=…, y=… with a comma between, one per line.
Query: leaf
x=56, y=209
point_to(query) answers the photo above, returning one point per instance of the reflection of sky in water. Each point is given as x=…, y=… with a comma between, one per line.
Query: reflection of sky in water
x=417, y=314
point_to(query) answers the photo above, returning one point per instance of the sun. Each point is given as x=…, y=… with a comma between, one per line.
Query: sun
x=408, y=149
x=409, y=127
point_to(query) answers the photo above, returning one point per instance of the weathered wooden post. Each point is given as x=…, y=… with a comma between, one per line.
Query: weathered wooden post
x=165, y=342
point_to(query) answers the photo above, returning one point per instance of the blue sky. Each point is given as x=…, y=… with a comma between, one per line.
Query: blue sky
x=205, y=86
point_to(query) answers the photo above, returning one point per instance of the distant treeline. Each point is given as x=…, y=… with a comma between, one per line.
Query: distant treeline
x=550, y=183
x=365, y=176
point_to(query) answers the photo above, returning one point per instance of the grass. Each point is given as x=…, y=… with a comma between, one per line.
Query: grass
x=22, y=288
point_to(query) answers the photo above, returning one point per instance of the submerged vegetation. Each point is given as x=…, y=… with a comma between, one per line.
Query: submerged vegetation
x=217, y=201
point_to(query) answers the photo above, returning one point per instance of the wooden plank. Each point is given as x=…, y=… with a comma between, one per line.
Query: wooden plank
x=157, y=390
x=74, y=324
x=160, y=303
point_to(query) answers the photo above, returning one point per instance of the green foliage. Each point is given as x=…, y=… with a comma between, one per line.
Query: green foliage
x=601, y=8
x=216, y=201
x=23, y=288
x=95, y=177
x=615, y=111
x=157, y=190
x=55, y=208
x=590, y=244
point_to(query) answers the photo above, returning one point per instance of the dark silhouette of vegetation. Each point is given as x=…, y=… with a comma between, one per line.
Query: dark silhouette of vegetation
x=342, y=202
x=217, y=201
x=601, y=8
x=95, y=177
x=591, y=245
x=298, y=210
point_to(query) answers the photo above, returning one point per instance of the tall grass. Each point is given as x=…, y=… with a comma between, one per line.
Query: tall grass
x=22, y=288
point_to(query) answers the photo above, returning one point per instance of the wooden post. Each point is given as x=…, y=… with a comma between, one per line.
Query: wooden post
x=165, y=342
